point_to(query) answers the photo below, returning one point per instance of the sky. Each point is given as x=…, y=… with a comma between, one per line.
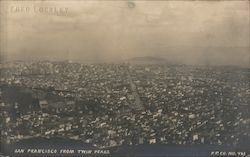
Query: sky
x=187, y=32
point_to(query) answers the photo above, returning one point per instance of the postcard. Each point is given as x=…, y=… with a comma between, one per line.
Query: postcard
x=127, y=78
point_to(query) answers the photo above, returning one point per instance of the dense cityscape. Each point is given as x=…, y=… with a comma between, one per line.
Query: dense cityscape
x=125, y=104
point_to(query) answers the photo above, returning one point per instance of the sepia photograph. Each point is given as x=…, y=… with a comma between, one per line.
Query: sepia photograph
x=127, y=78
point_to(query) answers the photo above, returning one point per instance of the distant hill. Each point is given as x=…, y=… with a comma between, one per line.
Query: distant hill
x=148, y=60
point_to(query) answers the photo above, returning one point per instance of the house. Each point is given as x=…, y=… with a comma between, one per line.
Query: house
x=195, y=137
x=43, y=104
x=152, y=141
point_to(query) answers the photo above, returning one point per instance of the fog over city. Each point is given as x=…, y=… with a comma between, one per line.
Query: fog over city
x=185, y=32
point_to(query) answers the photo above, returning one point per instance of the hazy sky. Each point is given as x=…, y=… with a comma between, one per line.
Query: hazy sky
x=215, y=32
